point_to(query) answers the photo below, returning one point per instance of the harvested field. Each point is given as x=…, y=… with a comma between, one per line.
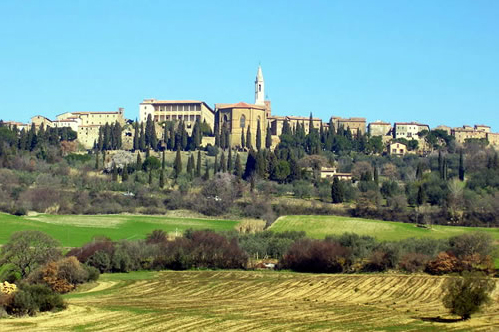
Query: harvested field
x=247, y=300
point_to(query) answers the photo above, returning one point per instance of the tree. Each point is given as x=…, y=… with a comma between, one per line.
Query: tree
x=229, y=161
x=421, y=198
x=258, y=136
x=114, y=173
x=162, y=178
x=223, y=163
x=124, y=173
x=138, y=163
x=243, y=140
x=251, y=165
x=149, y=180
x=238, y=168
x=337, y=192
x=177, y=166
x=206, y=175
x=268, y=138
x=461, y=166
x=466, y=294
x=27, y=250
x=198, y=165
x=142, y=138
x=248, y=138
x=97, y=160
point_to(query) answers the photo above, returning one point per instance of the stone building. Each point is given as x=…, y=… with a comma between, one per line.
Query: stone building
x=493, y=139
x=277, y=122
x=379, y=128
x=188, y=111
x=241, y=116
x=38, y=120
x=409, y=130
x=354, y=124
x=397, y=149
x=461, y=134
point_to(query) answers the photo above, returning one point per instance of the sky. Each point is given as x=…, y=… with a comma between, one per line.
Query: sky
x=435, y=62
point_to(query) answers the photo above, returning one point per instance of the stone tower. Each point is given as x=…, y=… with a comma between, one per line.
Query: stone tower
x=259, y=88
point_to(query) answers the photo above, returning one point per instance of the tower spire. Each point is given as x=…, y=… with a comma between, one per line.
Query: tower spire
x=259, y=87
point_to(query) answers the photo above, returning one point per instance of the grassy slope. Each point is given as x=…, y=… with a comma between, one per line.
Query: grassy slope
x=76, y=230
x=255, y=301
x=320, y=226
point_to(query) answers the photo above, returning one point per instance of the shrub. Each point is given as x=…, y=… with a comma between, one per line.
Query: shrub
x=413, y=262
x=316, y=256
x=465, y=295
x=92, y=272
x=100, y=260
x=33, y=298
x=443, y=263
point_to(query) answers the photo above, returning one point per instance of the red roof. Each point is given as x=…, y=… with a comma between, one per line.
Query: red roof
x=242, y=105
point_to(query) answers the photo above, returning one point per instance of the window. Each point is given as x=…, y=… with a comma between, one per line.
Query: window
x=259, y=88
x=243, y=121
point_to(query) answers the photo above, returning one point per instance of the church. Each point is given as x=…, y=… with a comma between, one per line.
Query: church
x=242, y=117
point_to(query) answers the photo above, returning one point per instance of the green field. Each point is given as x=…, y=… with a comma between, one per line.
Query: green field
x=256, y=301
x=319, y=227
x=76, y=230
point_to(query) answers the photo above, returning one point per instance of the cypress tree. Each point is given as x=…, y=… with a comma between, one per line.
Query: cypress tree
x=286, y=129
x=154, y=138
x=196, y=135
x=162, y=178
x=461, y=166
x=138, y=163
x=171, y=137
x=248, y=138
x=142, y=138
x=206, y=175
x=97, y=160
x=104, y=158
x=150, y=176
x=124, y=173
x=183, y=136
x=223, y=163
x=238, y=168
x=189, y=166
x=165, y=136
x=227, y=138
x=261, y=164
x=178, y=163
x=419, y=171
x=163, y=160
x=229, y=161
x=250, y=165
x=191, y=173
x=136, y=136
x=337, y=193
x=310, y=124
x=258, y=136
x=198, y=166
x=222, y=139
x=440, y=164
x=421, y=198
x=148, y=153
x=114, y=173
x=268, y=138
x=215, y=165
x=243, y=140
x=376, y=176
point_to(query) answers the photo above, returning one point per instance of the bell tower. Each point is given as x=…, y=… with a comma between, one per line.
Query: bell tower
x=259, y=88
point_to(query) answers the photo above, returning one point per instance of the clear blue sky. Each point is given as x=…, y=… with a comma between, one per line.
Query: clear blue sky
x=429, y=61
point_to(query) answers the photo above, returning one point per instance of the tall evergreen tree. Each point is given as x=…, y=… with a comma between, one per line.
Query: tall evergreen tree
x=286, y=128
x=421, y=198
x=419, y=171
x=198, y=165
x=222, y=139
x=136, y=136
x=163, y=161
x=243, y=139
x=206, y=175
x=250, y=165
x=162, y=178
x=310, y=124
x=149, y=180
x=268, y=138
x=461, y=166
x=138, y=163
x=258, y=136
x=97, y=160
x=114, y=172
x=215, y=165
x=142, y=138
x=171, y=137
x=183, y=136
x=191, y=158
x=337, y=192
x=196, y=135
x=124, y=173
x=248, y=138
x=229, y=161
x=177, y=166
x=238, y=167
x=440, y=164
x=376, y=175
x=261, y=164
x=223, y=163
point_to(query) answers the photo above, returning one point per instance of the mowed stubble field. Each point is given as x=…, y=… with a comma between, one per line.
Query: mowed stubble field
x=253, y=300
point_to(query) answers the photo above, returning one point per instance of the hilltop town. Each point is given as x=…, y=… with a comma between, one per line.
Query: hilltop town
x=242, y=118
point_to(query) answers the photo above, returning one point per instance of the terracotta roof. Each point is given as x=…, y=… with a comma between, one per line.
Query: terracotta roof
x=154, y=101
x=411, y=123
x=291, y=117
x=241, y=105
x=380, y=123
